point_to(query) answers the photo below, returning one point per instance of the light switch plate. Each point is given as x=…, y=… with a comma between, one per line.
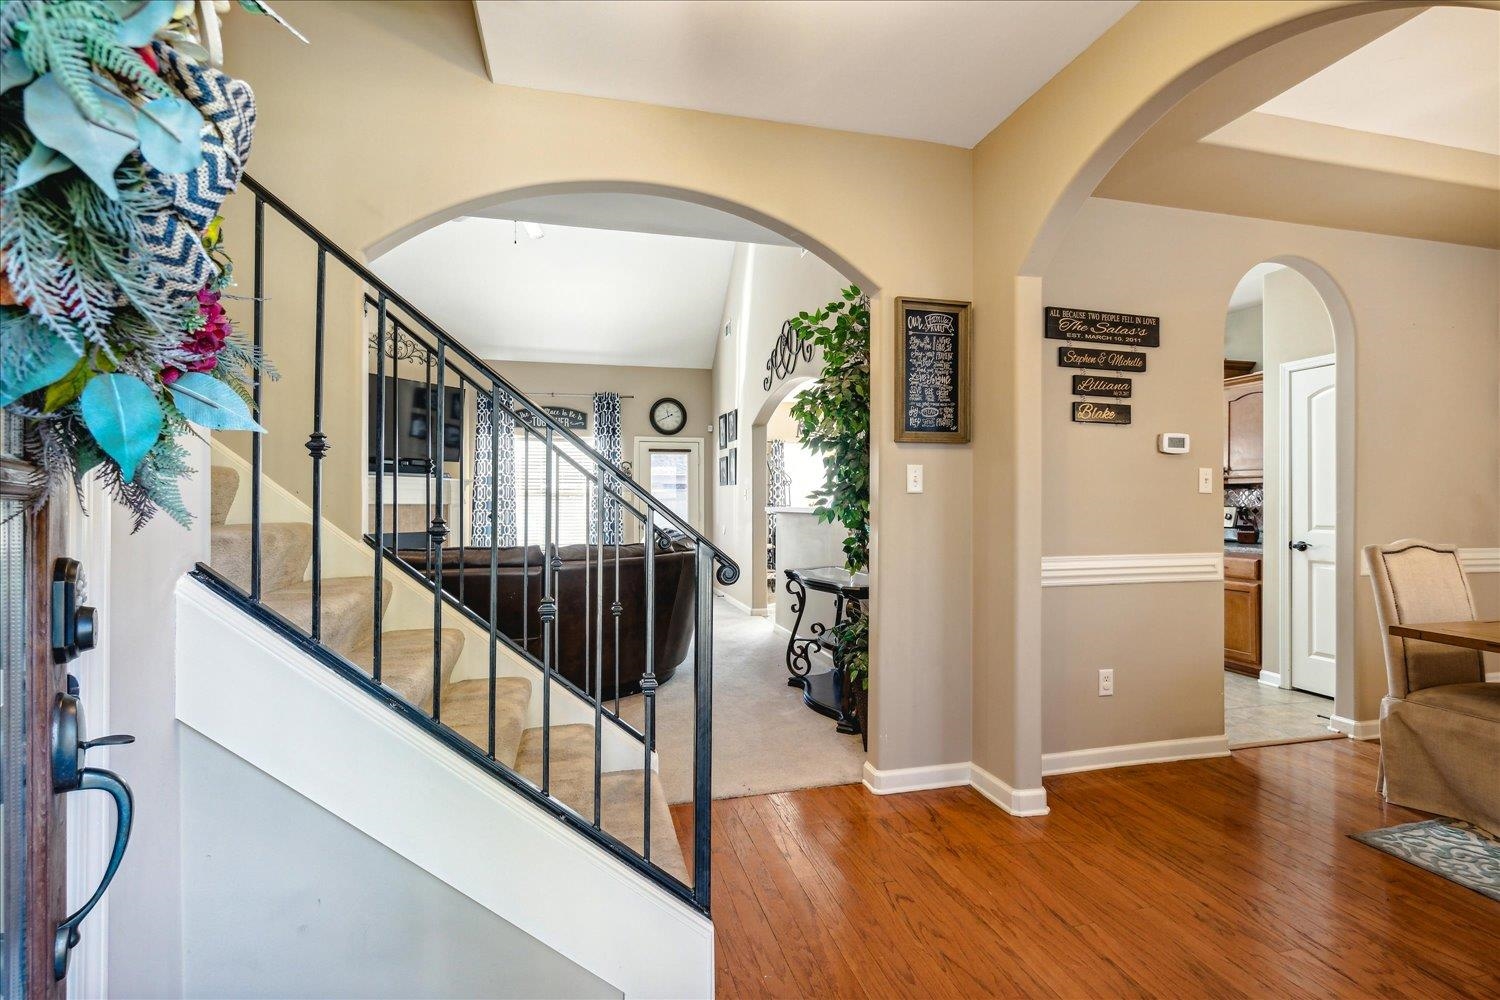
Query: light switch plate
x=914, y=479
x=1205, y=480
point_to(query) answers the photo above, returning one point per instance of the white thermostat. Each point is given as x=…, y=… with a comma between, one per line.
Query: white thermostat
x=1173, y=444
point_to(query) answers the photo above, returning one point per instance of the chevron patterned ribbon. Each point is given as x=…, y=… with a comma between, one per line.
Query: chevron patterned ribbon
x=175, y=236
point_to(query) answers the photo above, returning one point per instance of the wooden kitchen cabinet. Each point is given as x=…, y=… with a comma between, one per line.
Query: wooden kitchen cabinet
x=1242, y=597
x=1244, y=444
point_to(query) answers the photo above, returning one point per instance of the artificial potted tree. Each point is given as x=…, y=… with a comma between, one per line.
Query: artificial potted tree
x=833, y=419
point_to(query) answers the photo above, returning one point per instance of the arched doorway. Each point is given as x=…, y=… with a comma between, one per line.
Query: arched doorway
x=766, y=277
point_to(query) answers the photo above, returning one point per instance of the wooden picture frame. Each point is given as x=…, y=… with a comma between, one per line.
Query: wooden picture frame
x=933, y=421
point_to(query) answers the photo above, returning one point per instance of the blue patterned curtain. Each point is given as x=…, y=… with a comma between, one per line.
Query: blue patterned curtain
x=488, y=480
x=778, y=493
x=607, y=443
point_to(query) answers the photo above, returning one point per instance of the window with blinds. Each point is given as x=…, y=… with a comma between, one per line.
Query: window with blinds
x=571, y=491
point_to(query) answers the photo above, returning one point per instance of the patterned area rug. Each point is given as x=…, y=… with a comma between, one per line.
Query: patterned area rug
x=1458, y=851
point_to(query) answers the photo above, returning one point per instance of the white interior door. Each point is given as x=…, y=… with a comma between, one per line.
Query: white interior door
x=1312, y=475
x=672, y=470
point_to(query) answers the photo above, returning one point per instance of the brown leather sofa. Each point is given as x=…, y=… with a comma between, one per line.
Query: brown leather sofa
x=520, y=586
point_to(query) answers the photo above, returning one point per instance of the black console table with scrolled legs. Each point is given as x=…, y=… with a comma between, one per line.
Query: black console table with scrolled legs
x=825, y=692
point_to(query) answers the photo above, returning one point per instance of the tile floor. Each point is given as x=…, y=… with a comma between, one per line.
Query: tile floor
x=1255, y=712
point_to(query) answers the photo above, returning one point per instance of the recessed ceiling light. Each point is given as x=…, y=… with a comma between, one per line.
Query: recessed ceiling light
x=533, y=230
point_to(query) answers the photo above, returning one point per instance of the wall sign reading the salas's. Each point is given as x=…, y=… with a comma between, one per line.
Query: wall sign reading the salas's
x=1090, y=327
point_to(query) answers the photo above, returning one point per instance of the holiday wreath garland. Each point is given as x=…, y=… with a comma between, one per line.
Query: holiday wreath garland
x=118, y=144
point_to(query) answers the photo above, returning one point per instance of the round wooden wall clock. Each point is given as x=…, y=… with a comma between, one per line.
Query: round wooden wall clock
x=668, y=415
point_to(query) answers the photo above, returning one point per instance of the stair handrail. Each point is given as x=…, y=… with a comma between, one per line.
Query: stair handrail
x=727, y=571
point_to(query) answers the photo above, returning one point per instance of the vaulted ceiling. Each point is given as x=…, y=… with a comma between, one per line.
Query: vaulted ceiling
x=947, y=71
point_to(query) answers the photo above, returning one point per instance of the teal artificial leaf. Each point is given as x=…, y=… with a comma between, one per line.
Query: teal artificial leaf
x=96, y=150
x=171, y=132
x=122, y=413
x=53, y=362
x=42, y=161
x=139, y=28
x=14, y=70
x=210, y=403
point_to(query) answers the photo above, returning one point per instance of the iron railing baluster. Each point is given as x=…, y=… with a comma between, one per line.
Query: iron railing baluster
x=703, y=707
x=494, y=557
x=317, y=447
x=256, y=388
x=462, y=480
x=437, y=530
x=549, y=619
x=648, y=677
x=379, y=597
x=599, y=649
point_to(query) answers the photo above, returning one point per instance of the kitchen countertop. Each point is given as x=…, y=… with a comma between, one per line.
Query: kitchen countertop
x=1254, y=550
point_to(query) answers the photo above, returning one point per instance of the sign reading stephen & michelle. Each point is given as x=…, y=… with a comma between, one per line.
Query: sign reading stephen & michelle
x=932, y=371
x=1089, y=327
x=1106, y=360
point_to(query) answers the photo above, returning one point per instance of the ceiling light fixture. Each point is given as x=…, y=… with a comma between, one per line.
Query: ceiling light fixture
x=533, y=230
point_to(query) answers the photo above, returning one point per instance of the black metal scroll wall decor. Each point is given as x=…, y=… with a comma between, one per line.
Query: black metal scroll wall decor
x=787, y=352
x=1112, y=330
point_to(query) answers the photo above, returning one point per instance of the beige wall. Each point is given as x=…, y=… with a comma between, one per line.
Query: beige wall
x=1242, y=334
x=1426, y=333
x=690, y=386
x=767, y=286
x=1297, y=326
x=405, y=128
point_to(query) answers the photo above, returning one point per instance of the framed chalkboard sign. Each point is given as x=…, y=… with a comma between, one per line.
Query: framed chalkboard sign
x=932, y=371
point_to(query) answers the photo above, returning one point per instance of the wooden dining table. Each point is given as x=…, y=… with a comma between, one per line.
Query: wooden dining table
x=1484, y=636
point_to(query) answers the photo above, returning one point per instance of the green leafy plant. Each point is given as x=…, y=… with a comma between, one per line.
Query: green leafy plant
x=833, y=419
x=112, y=337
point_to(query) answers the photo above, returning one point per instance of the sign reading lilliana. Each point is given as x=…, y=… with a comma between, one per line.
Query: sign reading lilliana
x=1107, y=386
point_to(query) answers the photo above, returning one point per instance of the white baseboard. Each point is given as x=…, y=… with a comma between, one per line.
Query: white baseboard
x=1158, y=752
x=1368, y=729
x=741, y=605
x=1270, y=678
x=1493, y=678
x=915, y=779
x=1017, y=802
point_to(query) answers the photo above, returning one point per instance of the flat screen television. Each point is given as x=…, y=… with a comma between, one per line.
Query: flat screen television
x=410, y=419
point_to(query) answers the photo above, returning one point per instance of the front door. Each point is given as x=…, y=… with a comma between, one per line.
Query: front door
x=671, y=469
x=1312, y=476
x=33, y=868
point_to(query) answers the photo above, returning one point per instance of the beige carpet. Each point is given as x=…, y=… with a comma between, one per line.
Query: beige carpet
x=765, y=738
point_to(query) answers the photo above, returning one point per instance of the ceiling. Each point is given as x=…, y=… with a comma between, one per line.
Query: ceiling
x=576, y=295
x=636, y=213
x=1251, y=289
x=1373, y=94
x=946, y=71
x=1434, y=79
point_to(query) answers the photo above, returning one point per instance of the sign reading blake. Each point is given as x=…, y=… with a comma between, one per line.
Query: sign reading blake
x=1089, y=357
x=1106, y=386
x=1101, y=413
x=932, y=371
x=1102, y=327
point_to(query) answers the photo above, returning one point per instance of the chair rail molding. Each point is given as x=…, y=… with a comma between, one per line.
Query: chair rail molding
x=1104, y=570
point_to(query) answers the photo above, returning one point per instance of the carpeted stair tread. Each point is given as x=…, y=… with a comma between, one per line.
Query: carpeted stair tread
x=224, y=483
x=465, y=708
x=348, y=609
x=406, y=661
x=285, y=551
x=571, y=780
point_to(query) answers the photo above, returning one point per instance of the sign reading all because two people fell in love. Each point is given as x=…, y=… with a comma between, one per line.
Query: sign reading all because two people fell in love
x=1090, y=327
x=932, y=371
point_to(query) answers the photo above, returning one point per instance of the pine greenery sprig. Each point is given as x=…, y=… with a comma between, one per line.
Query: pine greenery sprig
x=74, y=40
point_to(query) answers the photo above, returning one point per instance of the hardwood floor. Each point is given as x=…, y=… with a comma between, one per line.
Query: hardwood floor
x=1224, y=877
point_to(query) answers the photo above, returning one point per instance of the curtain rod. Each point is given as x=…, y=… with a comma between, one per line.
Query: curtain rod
x=555, y=395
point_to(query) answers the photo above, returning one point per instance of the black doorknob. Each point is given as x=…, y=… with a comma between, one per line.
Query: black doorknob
x=1299, y=546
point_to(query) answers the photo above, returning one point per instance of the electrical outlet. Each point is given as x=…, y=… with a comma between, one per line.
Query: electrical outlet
x=1106, y=682
x=1205, y=480
x=914, y=479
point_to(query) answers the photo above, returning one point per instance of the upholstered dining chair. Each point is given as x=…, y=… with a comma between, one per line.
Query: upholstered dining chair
x=1439, y=720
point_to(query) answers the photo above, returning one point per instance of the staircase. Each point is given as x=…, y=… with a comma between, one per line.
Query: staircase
x=344, y=668
x=407, y=671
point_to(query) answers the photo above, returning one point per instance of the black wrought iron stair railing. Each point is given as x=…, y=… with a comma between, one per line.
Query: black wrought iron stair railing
x=403, y=338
